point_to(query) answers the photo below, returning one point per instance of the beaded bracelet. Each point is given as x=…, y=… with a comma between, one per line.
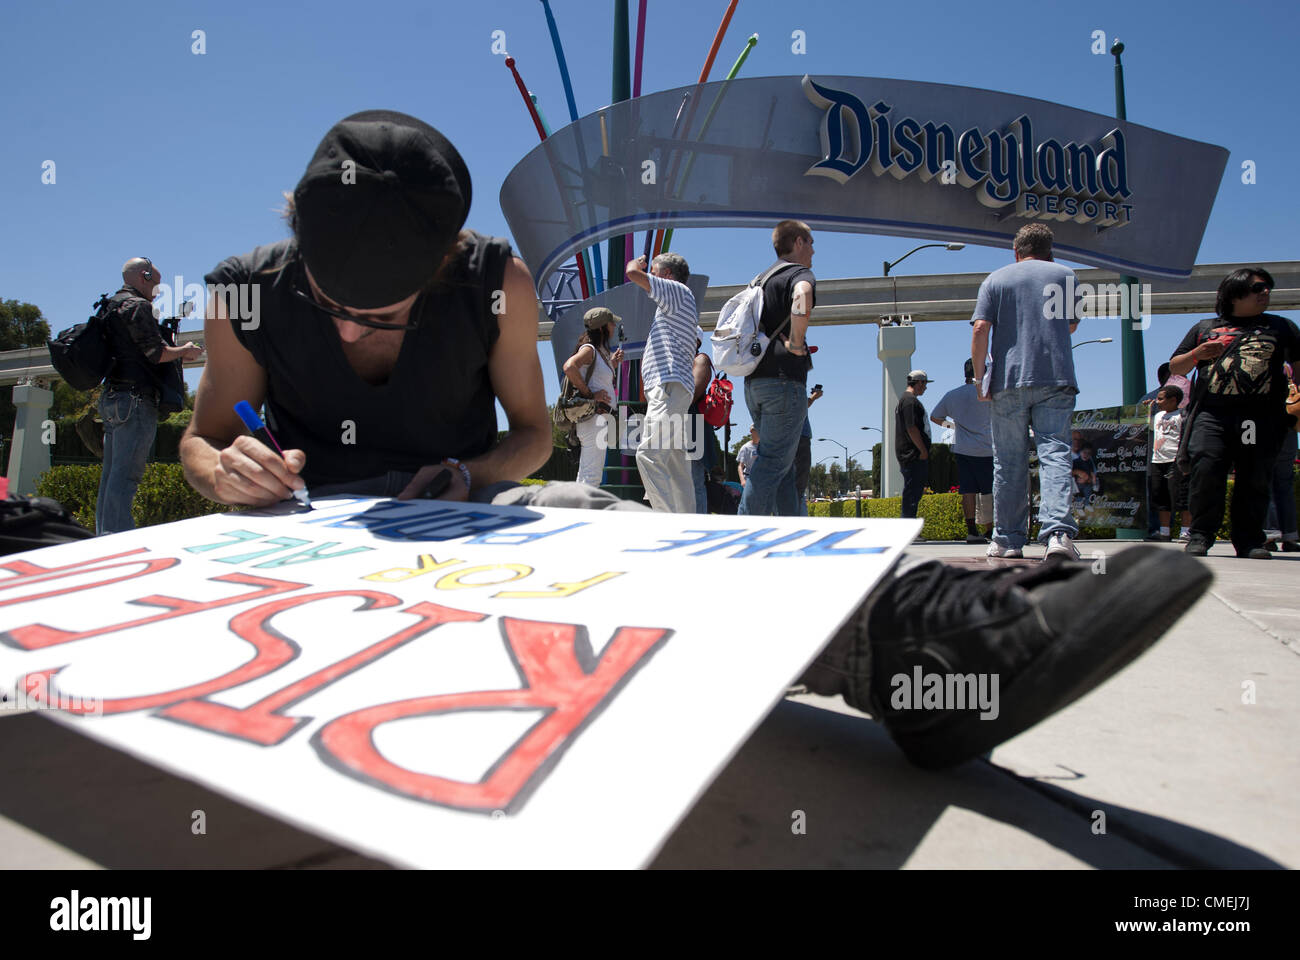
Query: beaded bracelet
x=464, y=472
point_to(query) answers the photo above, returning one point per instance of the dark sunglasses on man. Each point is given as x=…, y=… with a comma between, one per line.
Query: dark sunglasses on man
x=300, y=290
x=1259, y=286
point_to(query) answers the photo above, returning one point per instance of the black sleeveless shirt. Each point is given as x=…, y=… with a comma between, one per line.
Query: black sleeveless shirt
x=437, y=401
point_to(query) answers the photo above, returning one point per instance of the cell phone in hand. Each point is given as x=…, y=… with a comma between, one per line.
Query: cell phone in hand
x=817, y=387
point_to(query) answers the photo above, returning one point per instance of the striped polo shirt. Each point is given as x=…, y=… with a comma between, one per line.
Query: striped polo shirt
x=670, y=347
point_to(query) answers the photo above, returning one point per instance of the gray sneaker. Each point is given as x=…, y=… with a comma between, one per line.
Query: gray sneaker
x=1009, y=553
x=1060, y=545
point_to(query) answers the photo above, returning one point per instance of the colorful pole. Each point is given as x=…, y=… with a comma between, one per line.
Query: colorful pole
x=528, y=103
x=704, y=78
x=708, y=119
x=541, y=134
x=640, y=49
x=621, y=89
x=636, y=92
x=573, y=118
x=547, y=127
x=559, y=58
x=717, y=41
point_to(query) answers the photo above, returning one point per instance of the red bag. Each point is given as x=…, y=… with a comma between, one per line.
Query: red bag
x=715, y=405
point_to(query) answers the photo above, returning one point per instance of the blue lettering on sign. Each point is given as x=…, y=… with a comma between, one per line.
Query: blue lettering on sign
x=704, y=537
x=752, y=542
x=969, y=147
x=825, y=547
x=844, y=126
x=855, y=136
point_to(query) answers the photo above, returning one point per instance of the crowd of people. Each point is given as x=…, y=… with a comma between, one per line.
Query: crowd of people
x=1222, y=405
x=377, y=312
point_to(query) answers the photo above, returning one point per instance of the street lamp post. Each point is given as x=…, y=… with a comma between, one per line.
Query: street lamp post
x=846, y=455
x=889, y=265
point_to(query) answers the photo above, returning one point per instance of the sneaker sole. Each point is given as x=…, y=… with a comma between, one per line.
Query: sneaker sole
x=1135, y=611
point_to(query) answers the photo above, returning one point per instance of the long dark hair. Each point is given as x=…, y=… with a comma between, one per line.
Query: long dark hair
x=599, y=339
x=1236, y=285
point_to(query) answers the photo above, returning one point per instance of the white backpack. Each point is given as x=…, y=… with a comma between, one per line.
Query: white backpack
x=738, y=340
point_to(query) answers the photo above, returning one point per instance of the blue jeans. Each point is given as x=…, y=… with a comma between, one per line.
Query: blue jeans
x=700, y=468
x=1048, y=409
x=130, y=422
x=914, y=476
x=779, y=409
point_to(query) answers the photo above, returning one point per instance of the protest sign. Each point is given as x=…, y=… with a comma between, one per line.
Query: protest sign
x=1108, y=464
x=439, y=684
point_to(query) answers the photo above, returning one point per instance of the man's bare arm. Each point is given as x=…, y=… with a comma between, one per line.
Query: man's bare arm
x=800, y=315
x=635, y=272
x=703, y=371
x=979, y=348
x=221, y=461
x=918, y=438
x=516, y=378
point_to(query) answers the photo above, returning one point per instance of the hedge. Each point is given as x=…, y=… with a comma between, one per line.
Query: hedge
x=163, y=494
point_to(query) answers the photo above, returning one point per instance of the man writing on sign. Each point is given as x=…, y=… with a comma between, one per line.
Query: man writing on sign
x=379, y=357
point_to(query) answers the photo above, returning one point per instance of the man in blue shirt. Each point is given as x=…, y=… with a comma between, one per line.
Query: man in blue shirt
x=1020, y=349
x=973, y=448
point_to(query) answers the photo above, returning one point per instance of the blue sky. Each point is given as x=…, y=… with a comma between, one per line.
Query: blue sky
x=182, y=157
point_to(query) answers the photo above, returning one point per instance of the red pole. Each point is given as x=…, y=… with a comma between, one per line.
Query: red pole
x=541, y=135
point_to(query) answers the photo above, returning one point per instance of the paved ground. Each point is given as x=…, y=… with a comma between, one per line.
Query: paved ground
x=1169, y=756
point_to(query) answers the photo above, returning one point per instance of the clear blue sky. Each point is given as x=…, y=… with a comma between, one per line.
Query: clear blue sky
x=182, y=158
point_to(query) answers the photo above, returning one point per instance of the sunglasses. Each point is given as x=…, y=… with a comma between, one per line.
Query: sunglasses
x=337, y=312
x=1259, y=286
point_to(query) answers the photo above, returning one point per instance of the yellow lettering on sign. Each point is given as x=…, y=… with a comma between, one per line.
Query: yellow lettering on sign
x=557, y=590
x=397, y=574
x=452, y=581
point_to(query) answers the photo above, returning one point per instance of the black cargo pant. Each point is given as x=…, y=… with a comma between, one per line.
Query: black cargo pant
x=1220, y=441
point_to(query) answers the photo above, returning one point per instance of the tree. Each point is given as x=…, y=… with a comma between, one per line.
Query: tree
x=21, y=325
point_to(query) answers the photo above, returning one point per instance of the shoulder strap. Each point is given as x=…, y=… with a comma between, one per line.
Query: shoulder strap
x=762, y=278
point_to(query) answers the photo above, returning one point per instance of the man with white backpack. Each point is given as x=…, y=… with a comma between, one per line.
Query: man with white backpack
x=760, y=336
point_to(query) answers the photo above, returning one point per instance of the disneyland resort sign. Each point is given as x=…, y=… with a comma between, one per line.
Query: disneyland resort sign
x=1048, y=179
x=946, y=163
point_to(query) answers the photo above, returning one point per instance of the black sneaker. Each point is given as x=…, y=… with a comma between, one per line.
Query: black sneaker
x=1048, y=634
x=1255, y=553
x=1158, y=537
x=976, y=538
x=1290, y=546
x=1196, y=547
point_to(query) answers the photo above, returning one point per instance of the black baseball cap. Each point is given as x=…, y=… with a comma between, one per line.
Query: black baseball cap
x=383, y=200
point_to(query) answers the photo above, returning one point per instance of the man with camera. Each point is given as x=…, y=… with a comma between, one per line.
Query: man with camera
x=129, y=402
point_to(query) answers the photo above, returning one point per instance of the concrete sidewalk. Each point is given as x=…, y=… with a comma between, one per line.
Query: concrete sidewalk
x=1169, y=756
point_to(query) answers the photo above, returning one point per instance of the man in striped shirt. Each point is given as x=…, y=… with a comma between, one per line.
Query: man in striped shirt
x=667, y=371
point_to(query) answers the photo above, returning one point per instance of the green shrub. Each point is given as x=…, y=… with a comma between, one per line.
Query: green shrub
x=162, y=497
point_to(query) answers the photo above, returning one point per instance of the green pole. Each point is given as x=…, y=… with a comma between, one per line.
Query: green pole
x=1133, y=374
x=1130, y=335
x=621, y=90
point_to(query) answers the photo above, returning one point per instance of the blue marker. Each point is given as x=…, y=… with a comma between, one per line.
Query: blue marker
x=258, y=429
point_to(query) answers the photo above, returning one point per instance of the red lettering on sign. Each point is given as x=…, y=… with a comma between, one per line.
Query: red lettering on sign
x=273, y=651
x=561, y=677
x=36, y=636
x=262, y=722
x=29, y=573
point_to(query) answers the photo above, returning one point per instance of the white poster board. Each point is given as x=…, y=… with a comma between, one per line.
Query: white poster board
x=440, y=685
